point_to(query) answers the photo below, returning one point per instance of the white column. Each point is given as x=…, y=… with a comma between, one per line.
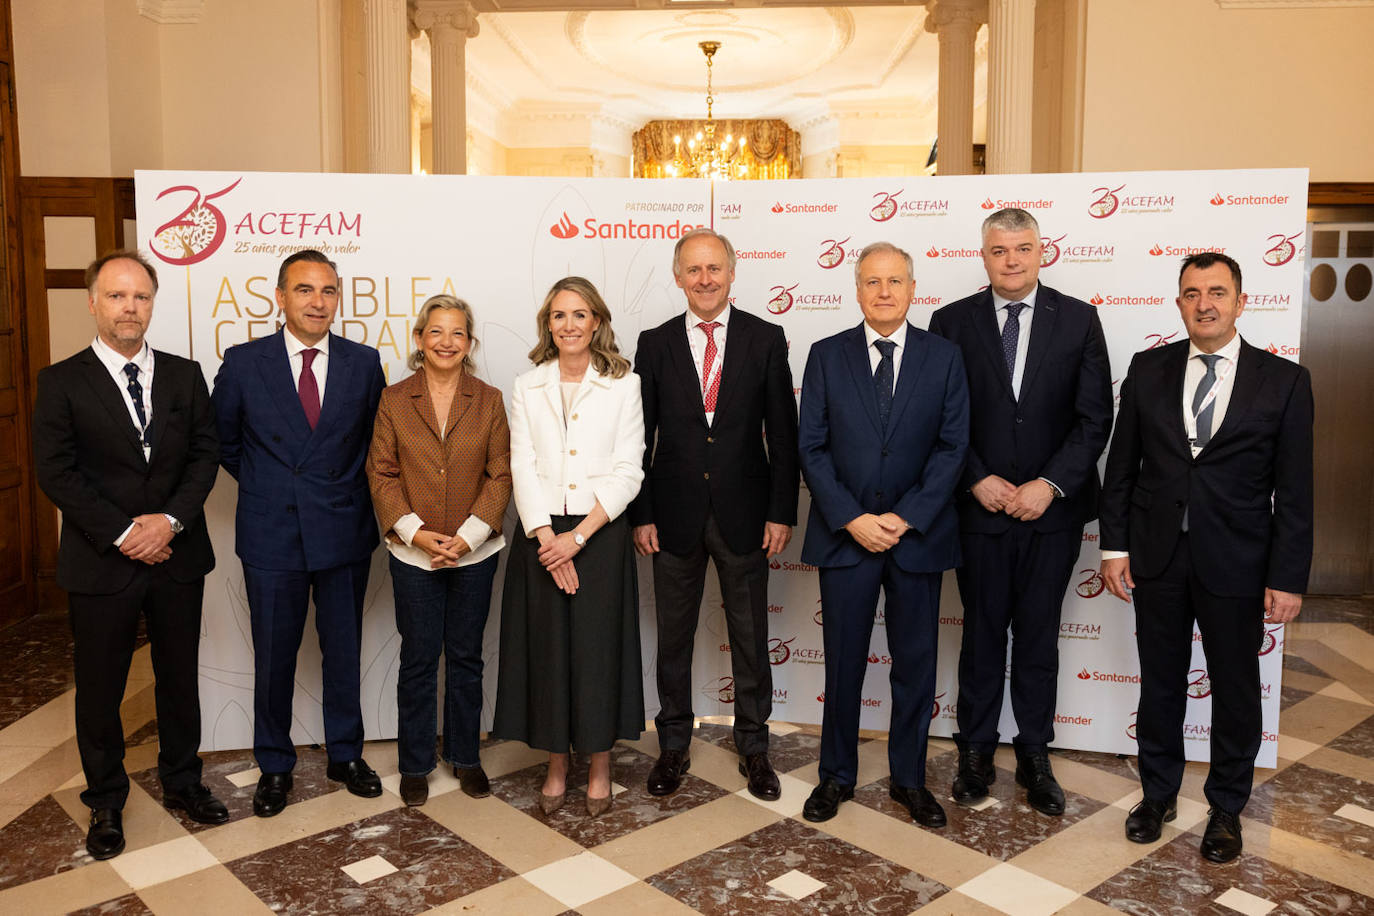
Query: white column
x=386, y=36
x=1011, y=69
x=955, y=23
x=450, y=24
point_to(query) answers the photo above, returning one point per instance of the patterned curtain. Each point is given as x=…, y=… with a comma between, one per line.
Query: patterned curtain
x=771, y=150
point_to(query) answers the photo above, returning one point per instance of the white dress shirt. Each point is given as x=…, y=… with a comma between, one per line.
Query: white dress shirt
x=874, y=356
x=696, y=339
x=114, y=363
x=1023, y=322
x=320, y=367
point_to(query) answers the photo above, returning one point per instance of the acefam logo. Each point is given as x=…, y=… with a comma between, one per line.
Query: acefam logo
x=1092, y=586
x=565, y=228
x=1282, y=251
x=1106, y=204
x=1153, y=341
x=885, y=208
x=832, y=253
x=781, y=299
x=1049, y=250
x=1199, y=684
x=779, y=650
x=196, y=232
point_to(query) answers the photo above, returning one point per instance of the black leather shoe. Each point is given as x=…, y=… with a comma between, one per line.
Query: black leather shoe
x=105, y=838
x=763, y=782
x=925, y=810
x=414, y=790
x=198, y=803
x=825, y=800
x=1221, y=840
x=473, y=781
x=270, y=797
x=1147, y=819
x=357, y=776
x=1033, y=771
x=976, y=773
x=668, y=771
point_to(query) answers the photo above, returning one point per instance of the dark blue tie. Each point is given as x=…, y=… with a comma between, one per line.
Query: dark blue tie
x=136, y=395
x=1011, y=332
x=882, y=379
x=1204, y=416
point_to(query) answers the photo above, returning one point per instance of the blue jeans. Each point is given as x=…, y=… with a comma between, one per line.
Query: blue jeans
x=442, y=609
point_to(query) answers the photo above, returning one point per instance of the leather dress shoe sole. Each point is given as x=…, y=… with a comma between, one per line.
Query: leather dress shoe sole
x=105, y=838
x=357, y=777
x=199, y=805
x=270, y=797
x=666, y=777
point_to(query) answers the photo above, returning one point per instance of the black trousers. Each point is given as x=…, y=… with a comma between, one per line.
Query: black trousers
x=1012, y=581
x=679, y=581
x=1232, y=630
x=104, y=630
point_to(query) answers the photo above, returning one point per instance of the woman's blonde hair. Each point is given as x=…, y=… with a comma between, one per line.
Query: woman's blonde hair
x=605, y=354
x=444, y=301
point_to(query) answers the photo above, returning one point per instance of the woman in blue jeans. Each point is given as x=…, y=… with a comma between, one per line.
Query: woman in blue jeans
x=439, y=469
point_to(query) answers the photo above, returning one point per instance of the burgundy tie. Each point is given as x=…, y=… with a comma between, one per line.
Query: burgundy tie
x=309, y=389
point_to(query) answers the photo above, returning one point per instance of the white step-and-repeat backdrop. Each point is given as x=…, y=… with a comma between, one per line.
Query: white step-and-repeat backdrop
x=1113, y=239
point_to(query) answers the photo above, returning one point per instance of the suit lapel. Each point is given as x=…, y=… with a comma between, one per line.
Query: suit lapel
x=1174, y=368
x=680, y=357
x=418, y=391
x=164, y=386
x=462, y=400
x=107, y=392
x=1249, y=378
x=551, y=381
x=913, y=361
x=985, y=329
x=275, y=368
x=737, y=351
x=1043, y=317
x=856, y=357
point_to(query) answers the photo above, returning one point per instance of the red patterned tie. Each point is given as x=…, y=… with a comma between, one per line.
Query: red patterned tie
x=710, y=386
x=308, y=388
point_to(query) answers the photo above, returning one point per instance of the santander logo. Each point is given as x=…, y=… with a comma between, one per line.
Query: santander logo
x=1097, y=300
x=988, y=204
x=1218, y=200
x=1156, y=250
x=1093, y=585
x=777, y=208
x=1084, y=675
x=1282, y=251
x=1049, y=250
x=885, y=208
x=932, y=252
x=1105, y=205
x=781, y=299
x=196, y=232
x=565, y=228
x=832, y=254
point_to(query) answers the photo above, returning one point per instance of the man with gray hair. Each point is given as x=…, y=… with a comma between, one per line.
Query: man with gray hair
x=1040, y=407
x=720, y=483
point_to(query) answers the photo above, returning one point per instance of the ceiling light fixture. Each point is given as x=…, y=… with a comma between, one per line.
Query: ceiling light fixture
x=705, y=156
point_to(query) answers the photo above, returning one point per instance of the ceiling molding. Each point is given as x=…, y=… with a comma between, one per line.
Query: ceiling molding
x=172, y=12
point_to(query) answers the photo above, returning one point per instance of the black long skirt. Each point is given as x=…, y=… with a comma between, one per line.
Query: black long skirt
x=569, y=674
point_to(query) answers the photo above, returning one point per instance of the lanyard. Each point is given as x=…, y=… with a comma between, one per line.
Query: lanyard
x=1190, y=416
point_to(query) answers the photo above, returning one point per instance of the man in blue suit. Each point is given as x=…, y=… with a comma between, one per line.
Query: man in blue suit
x=295, y=415
x=884, y=427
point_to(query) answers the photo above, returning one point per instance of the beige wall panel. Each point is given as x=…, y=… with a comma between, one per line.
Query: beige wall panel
x=70, y=325
x=134, y=87
x=69, y=242
x=1185, y=84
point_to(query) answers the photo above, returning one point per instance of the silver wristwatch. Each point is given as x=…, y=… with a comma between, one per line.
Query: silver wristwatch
x=578, y=539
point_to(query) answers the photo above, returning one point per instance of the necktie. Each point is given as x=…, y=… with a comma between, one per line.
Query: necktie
x=136, y=395
x=710, y=387
x=308, y=388
x=1204, y=416
x=1011, y=331
x=882, y=379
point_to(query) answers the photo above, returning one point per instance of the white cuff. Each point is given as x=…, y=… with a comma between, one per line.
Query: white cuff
x=1054, y=486
x=406, y=526
x=474, y=532
x=119, y=541
x=1115, y=554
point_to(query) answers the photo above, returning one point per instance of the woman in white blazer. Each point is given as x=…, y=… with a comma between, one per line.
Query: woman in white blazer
x=570, y=666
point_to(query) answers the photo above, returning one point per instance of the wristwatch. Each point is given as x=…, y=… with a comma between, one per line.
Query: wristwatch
x=177, y=527
x=578, y=539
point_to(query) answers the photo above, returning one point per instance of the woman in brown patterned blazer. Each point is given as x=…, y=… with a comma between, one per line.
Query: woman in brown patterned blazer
x=439, y=468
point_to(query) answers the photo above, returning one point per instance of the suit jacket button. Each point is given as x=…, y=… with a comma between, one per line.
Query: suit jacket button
x=710, y=439
x=574, y=416
x=885, y=453
x=291, y=509
x=572, y=486
x=276, y=438
x=1018, y=419
x=572, y=451
x=1178, y=504
x=706, y=476
x=879, y=494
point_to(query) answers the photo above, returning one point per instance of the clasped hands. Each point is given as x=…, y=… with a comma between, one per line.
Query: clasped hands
x=1026, y=502
x=148, y=540
x=443, y=551
x=556, y=552
x=876, y=533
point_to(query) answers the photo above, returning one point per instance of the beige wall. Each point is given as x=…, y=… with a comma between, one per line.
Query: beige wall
x=564, y=161
x=879, y=161
x=1186, y=84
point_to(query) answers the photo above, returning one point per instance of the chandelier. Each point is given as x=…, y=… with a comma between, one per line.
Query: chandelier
x=704, y=155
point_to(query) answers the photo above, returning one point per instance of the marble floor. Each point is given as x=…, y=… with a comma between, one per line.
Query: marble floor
x=709, y=848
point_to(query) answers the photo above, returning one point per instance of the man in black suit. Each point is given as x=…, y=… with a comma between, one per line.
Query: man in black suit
x=1207, y=516
x=721, y=475
x=124, y=444
x=1040, y=396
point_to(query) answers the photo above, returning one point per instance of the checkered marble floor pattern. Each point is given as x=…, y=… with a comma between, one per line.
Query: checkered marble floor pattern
x=710, y=847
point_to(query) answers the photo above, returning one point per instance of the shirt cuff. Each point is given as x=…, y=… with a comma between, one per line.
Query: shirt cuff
x=119, y=541
x=474, y=532
x=1054, y=486
x=1115, y=554
x=406, y=526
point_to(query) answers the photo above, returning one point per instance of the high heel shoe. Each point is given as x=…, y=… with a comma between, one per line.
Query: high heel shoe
x=550, y=803
x=598, y=806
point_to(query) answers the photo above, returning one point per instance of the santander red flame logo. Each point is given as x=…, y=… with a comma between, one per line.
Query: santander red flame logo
x=1084, y=675
x=886, y=208
x=932, y=252
x=1094, y=584
x=196, y=232
x=1156, y=251
x=988, y=204
x=1158, y=340
x=779, y=650
x=777, y=208
x=1199, y=684
x=782, y=298
x=1049, y=250
x=1107, y=204
x=1218, y=200
x=1272, y=349
x=1097, y=300
x=565, y=228
x=1282, y=251
x=832, y=253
